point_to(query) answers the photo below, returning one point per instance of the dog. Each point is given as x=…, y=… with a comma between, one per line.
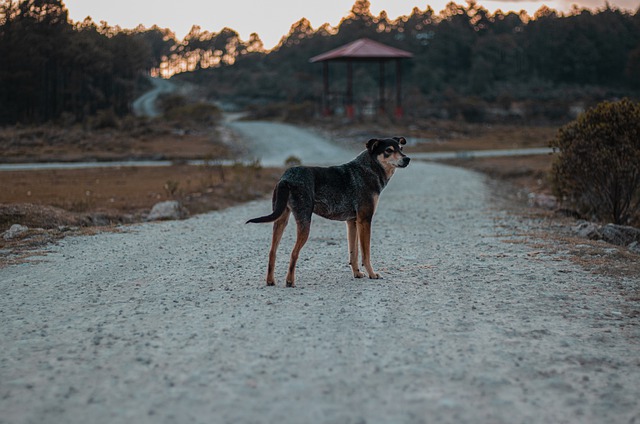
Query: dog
x=347, y=192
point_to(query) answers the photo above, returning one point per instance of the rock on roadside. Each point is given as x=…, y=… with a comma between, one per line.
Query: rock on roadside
x=620, y=235
x=589, y=230
x=15, y=231
x=170, y=209
x=544, y=201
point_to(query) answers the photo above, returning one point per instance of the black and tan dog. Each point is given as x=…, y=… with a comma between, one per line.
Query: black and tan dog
x=347, y=192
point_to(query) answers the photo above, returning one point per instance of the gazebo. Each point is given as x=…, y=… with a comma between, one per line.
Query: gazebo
x=363, y=50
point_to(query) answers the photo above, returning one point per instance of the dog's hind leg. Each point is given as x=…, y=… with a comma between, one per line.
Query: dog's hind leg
x=364, y=235
x=304, y=226
x=352, y=238
x=278, y=228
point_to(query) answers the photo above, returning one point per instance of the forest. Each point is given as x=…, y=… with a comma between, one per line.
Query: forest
x=466, y=61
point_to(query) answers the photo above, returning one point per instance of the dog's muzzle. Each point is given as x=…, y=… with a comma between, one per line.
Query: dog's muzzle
x=404, y=162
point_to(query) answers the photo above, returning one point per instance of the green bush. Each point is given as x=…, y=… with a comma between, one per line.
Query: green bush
x=598, y=169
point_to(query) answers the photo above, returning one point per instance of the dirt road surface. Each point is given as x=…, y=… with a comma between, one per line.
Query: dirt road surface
x=273, y=143
x=172, y=322
x=145, y=105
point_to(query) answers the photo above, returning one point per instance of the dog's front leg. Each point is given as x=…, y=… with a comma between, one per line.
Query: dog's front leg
x=364, y=235
x=352, y=239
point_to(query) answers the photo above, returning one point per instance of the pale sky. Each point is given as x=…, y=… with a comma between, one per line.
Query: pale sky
x=272, y=19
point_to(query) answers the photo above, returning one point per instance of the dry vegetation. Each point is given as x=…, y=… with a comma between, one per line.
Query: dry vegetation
x=130, y=190
x=435, y=135
x=133, y=138
x=530, y=174
x=453, y=136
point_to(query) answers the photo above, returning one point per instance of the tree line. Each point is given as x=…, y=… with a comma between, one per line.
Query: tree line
x=55, y=69
x=462, y=55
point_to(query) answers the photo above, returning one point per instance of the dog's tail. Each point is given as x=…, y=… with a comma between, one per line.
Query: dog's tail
x=280, y=199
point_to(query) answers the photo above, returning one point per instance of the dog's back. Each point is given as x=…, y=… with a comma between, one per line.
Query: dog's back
x=339, y=191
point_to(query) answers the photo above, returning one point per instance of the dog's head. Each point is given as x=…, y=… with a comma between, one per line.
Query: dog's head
x=388, y=152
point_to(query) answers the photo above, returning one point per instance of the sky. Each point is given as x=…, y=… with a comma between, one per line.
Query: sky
x=272, y=19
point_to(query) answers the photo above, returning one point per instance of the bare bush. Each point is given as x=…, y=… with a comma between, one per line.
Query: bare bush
x=598, y=170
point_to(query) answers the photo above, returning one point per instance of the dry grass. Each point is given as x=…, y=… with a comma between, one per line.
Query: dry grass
x=130, y=189
x=528, y=173
x=140, y=139
x=455, y=136
x=443, y=135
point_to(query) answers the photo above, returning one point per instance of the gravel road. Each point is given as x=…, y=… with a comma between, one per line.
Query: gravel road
x=145, y=105
x=272, y=143
x=172, y=323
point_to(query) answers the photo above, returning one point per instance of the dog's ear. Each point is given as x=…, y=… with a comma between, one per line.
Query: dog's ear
x=371, y=144
x=401, y=140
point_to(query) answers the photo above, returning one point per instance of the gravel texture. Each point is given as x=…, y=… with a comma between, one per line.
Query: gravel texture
x=171, y=322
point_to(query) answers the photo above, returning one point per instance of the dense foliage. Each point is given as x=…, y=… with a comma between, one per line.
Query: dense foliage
x=598, y=170
x=52, y=69
x=464, y=60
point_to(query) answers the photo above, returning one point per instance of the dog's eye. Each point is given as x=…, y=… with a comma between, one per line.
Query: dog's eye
x=389, y=150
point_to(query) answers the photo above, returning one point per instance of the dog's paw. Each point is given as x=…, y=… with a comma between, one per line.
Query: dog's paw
x=290, y=284
x=358, y=274
x=375, y=276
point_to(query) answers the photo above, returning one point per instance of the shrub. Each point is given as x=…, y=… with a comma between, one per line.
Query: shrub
x=168, y=102
x=283, y=111
x=300, y=112
x=195, y=114
x=266, y=111
x=183, y=111
x=103, y=119
x=292, y=161
x=598, y=169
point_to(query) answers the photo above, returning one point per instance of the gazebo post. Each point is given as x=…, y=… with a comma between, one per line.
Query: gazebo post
x=350, y=111
x=399, y=111
x=326, y=109
x=381, y=99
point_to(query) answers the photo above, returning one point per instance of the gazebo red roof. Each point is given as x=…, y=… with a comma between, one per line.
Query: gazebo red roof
x=362, y=49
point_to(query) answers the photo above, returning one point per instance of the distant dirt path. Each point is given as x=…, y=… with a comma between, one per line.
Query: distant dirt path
x=145, y=105
x=172, y=323
x=272, y=143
